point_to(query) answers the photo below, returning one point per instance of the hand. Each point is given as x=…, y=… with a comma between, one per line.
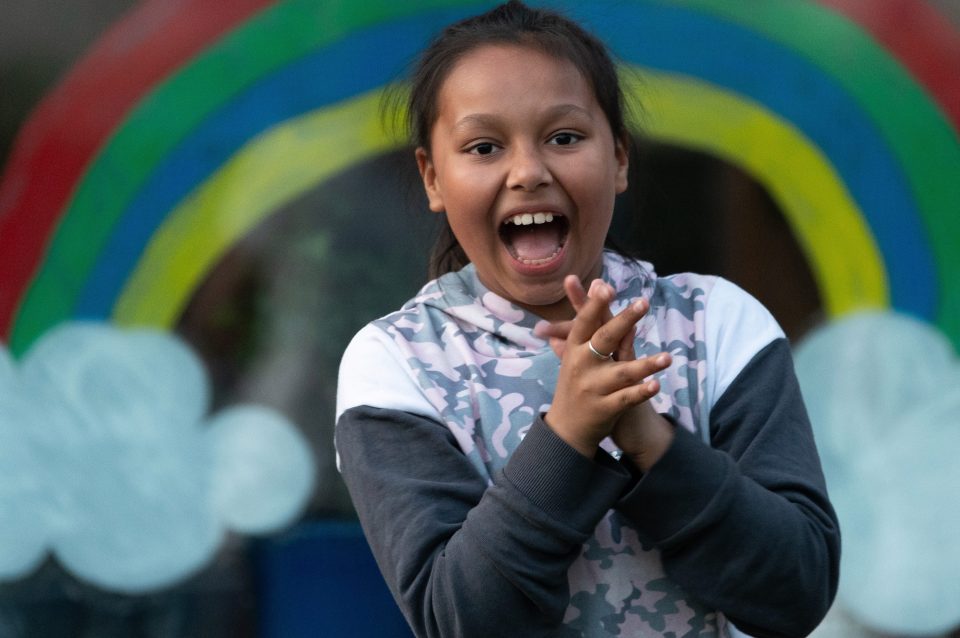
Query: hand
x=591, y=392
x=643, y=435
x=556, y=332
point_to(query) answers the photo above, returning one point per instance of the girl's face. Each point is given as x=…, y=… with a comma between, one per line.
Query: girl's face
x=524, y=163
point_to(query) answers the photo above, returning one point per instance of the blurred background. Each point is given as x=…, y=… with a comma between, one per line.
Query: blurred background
x=201, y=202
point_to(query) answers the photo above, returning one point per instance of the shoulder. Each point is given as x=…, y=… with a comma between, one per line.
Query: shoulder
x=729, y=323
x=735, y=320
x=383, y=364
x=736, y=328
x=734, y=317
x=685, y=291
x=730, y=314
x=374, y=372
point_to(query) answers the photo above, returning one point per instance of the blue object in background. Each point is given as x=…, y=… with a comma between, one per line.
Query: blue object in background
x=320, y=579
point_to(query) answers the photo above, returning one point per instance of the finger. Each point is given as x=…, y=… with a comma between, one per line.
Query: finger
x=558, y=346
x=625, y=351
x=557, y=329
x=612, y=378
x=575, y=292
x=609, y=336
x=594, y=286
x=592, y=314
x=577, y=297
x=632, y=395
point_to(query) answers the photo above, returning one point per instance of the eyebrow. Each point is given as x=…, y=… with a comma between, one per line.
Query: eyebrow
x=481, y=120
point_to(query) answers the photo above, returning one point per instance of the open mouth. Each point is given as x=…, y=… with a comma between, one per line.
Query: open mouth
x=534, y=238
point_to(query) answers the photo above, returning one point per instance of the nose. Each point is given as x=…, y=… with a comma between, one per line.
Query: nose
x=528, y=170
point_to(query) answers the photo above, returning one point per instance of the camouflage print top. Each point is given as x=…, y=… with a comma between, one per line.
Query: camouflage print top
x=477, y=362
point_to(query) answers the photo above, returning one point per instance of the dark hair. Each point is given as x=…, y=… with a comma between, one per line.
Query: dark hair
x=510, y=23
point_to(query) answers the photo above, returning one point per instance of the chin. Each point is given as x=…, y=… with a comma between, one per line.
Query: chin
x=550, y=304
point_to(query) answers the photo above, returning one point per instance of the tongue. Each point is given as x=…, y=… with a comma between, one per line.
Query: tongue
x=534, y=242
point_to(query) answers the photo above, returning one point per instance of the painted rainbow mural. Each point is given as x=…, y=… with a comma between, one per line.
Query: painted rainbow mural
x=157, y=154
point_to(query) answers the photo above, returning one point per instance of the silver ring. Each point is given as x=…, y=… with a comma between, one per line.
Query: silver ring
x=598, y=354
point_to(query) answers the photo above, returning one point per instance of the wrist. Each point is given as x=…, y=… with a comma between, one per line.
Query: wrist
x=644, y=435
x=578, y=440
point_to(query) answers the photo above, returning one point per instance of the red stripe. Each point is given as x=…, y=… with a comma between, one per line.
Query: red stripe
x=924, y=41
x=73, y=122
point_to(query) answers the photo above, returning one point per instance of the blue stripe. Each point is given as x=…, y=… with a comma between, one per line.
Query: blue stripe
x=363, y=61
x=667, y=38
x=686, y=42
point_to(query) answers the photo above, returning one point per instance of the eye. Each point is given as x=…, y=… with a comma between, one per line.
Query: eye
x=483, y=148
x=565, y=138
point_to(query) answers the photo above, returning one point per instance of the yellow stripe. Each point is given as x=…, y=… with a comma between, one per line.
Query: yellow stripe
x=294, y=156
x=269, y=171
x=829, y=226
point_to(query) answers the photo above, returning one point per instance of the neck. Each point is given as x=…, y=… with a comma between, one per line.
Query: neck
x=560, y=311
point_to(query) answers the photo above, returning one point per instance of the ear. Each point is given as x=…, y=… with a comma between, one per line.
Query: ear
x=622, y=154
x=429, y=176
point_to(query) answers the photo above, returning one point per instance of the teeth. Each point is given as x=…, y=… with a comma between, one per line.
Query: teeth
x=537, y=262
x=526, y=219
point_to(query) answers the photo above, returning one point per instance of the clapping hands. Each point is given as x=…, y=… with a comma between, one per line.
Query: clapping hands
x=603, y=389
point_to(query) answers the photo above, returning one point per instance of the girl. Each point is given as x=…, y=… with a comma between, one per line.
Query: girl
x=653, y=472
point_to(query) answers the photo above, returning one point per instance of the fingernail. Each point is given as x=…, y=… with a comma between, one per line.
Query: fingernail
x=639, y=305
x=607, y=292
x=663, y=360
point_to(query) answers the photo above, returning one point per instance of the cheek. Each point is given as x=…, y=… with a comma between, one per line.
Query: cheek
x=469, y=193
x=597, y=190
x=595, y=198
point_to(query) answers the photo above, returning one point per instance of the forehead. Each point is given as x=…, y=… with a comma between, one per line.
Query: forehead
x=487, y=75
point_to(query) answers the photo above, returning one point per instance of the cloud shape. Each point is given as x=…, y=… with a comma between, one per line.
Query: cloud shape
x=112, y=463
x=883, y=392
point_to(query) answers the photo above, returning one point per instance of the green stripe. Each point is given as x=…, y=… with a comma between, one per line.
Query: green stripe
x=267, y=42
x=915, y=128
x=908, y=118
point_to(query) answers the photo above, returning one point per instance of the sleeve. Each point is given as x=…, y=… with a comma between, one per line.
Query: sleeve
x=745, y=524
x=461, y=557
